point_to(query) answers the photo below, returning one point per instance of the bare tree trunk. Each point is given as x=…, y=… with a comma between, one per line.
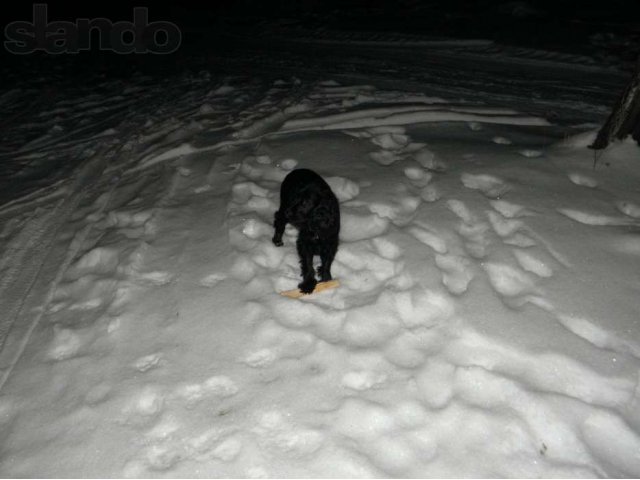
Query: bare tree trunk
x=625, y=118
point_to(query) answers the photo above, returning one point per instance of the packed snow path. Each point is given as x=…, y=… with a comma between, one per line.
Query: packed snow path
x=486, y=323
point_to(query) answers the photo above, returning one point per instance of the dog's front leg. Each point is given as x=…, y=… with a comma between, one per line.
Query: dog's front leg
x=309, y=281
x=279, y=223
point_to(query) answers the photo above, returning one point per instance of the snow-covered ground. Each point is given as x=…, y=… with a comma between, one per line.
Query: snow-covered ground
x=487, y=322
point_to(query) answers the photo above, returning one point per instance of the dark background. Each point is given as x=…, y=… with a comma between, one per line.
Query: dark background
x=586, y=28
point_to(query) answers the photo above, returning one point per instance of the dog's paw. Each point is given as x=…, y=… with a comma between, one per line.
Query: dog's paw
x=277, y=241
x=308, y=286
x=324, y=276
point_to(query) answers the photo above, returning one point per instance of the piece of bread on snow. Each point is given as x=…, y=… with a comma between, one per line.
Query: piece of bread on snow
x=296, y=293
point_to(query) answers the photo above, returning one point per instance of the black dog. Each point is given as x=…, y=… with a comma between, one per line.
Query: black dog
x=307, y=203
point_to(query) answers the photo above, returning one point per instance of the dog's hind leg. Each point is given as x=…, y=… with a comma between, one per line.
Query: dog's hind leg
x=309, y=281
x=279, y=222
x=327, y=255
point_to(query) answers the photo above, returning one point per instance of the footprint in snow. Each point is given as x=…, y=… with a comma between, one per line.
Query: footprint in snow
x=582, y=180
x=400, y=211
x=509, y=282
x=276, y=432
x=363, y=380
x=144, y=407
x=384, y=157
x=504, y=227
x=501, y=141
x=508, y=209
x=219, y=386
x=288, y=164
x=598, y=336
x=156, y=278
x=456, y=272
x=430, y=193
x=147, y=362
x=382, y=435
x=532, y=263
x=260, y=358
x=344, y=189
x=491, y=187
x=359, y=226
x=391, y=141
x=429, y=160
x=530, y=153
x=66, y=344
x=428, y=238
x=629, y=208
x=212, y=280
x=472, y=231
x=418, y=177
x=595, y=219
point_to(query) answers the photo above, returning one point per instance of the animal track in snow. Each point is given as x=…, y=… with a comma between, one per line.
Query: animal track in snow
x=504, y=227
x=154, y=278
x=430, y=193
x=343, y=188
x=212, y=279
x=418, y=177
x=254, y=229
x=613, y=441
x=429, y=238
x=66, y=344
x=277, y=433
x=260, y=358
x=571, y=378
x=147, y=362
x=461, y=210
x=595, y=219
x=532, y=263
x=435, y=383
x=598, y=336
x=363, y=380
x=217, y=386
x=492, y=187
x=384, y=157
x=520, y=240
x=429, y=160
x=371, y=427
x=356, y=226
x=456, y=272
x=501, y=141
x=400, y=211
x=145, y=406
x=530, y=153
x=386, y=248
x=629, y=208
x=508, y=209
x=288, y=164
x=470, y=229
x=391, y=141
x=507, y=280
x=582, y=180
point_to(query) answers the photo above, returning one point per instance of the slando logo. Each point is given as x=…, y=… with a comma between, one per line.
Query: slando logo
x=58, y=37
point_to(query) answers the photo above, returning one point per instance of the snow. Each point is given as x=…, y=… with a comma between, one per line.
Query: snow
x=486, y=322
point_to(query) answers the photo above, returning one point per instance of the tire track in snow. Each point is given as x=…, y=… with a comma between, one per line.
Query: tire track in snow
x=23, y=276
